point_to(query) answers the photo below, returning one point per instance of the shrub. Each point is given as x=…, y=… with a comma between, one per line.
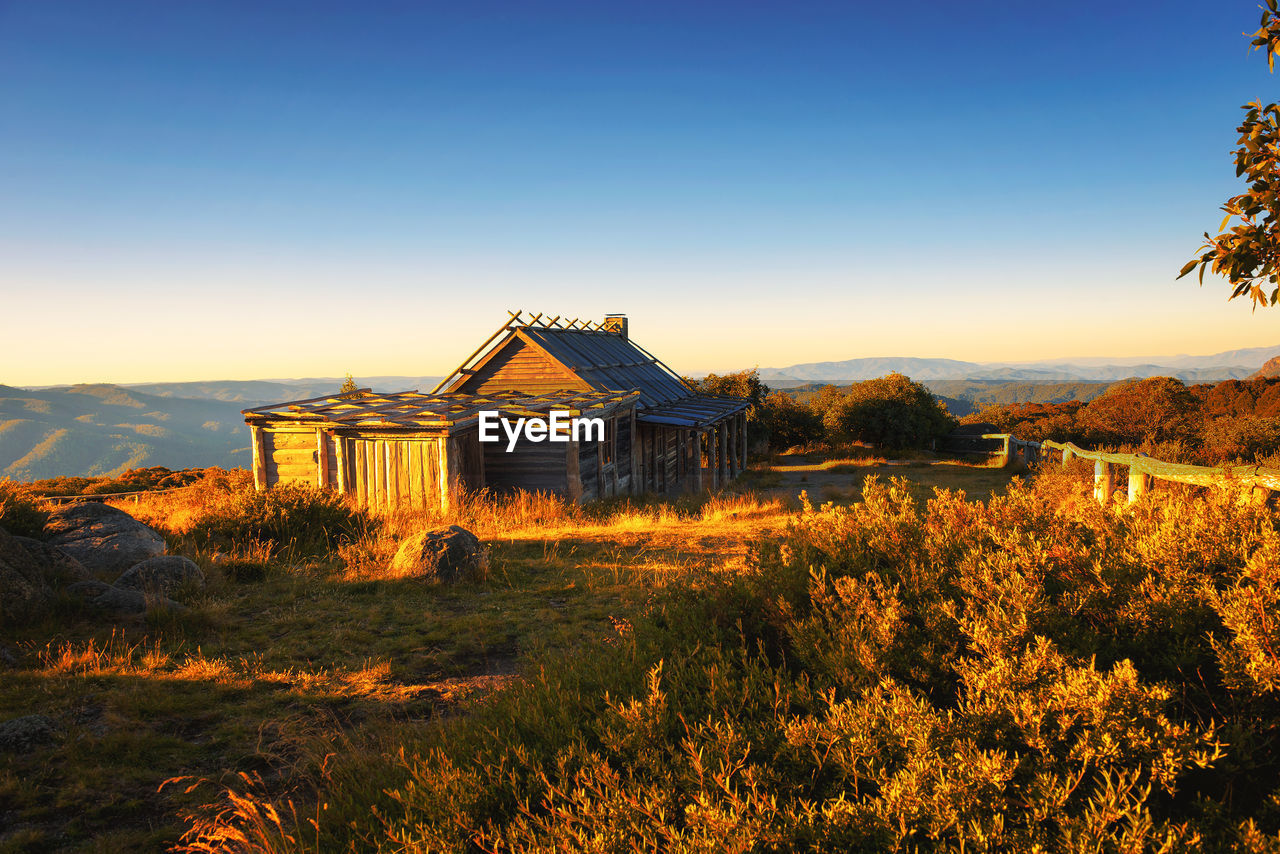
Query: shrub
x=891, y=411
x=1034, y=672
x=21, y=511
x=790, y=424
x=1246, y=437
x=299, y=518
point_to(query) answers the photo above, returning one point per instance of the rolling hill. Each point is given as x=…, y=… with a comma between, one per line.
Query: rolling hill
x=1232, y=364
x=106, y=429
x=254, y=392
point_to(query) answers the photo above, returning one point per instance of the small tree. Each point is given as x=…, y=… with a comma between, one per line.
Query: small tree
x=1157, y=409
x=790, y=423
x=349, y=386
x=741, y=384
x=891, y=411
x=1248, y=255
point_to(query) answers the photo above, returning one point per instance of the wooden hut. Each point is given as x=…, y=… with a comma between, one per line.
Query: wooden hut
x=683, y=440
x=415, y=449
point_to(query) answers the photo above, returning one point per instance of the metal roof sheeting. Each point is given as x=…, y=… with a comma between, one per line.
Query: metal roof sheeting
x=605, y=358
x=607, y=361
x=696, y=410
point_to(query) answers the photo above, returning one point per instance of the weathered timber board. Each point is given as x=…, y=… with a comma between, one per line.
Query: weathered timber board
x=285, y=439
x=535, y=467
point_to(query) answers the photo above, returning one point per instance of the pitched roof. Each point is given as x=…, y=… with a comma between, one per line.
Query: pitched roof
x=607, y=361
x=599, y=356
x=414, y=410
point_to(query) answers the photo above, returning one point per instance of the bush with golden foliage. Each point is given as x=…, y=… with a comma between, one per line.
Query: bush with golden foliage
x=21, y=510
x=1032, y=672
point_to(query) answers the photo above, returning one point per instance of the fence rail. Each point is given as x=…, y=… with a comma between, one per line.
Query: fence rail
x=1143, y=471
x=111, y=496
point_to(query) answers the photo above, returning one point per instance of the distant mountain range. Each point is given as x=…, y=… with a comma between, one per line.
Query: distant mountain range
x=106, y=429
x=1233, y=364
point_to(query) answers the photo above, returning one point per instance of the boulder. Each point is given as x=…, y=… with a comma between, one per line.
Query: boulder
x=117, y=602
x=18, y=735
x=447, y=555
x=60, y=567
x=104, y=539
x=25, y=587
x=162, y=576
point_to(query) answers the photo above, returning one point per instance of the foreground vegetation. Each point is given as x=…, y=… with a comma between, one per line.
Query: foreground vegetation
x=1032, y=672
x=910, y=670
x=303, y=638
x=1229, y=421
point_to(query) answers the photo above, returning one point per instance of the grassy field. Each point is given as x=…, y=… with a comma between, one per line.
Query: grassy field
x=287, y=649
x=839, y=477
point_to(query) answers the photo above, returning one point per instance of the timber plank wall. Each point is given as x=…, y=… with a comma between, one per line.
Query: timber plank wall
x=518, y=365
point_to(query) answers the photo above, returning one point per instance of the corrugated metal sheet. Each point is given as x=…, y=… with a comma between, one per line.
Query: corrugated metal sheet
x=609, y=362
x=696, y=410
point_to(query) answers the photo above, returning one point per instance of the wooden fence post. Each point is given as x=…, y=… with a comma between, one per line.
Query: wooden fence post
x=1139, y=482
x=322, y=459
x=1102, y=482
x=340, y=459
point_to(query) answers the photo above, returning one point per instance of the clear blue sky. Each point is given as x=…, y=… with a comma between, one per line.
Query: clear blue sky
x=203, y=190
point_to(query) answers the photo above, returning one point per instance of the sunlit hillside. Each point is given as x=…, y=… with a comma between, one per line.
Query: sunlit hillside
x=106, y=429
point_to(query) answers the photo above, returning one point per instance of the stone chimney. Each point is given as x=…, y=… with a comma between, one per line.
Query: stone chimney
x=616, y=323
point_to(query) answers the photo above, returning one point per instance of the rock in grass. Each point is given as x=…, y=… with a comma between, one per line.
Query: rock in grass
x=23, y=589
x=163, y=576
x=446, y=555
x=18, y=735
x=27, y=580
x=104, y=539
x=117, y=603
x=59, y=566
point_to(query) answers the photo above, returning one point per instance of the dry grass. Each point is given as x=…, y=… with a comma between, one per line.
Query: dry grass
x=286, y=649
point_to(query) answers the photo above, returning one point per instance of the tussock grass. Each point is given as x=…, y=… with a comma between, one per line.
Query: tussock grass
x=22, y=512
x=736, y=671
x=296, y=645
x=1033, y=672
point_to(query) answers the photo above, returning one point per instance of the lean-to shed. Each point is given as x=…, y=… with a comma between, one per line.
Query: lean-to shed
x=421, y=450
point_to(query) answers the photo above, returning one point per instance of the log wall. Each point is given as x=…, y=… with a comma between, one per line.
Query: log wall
x=377, y=470
x=291, y=456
